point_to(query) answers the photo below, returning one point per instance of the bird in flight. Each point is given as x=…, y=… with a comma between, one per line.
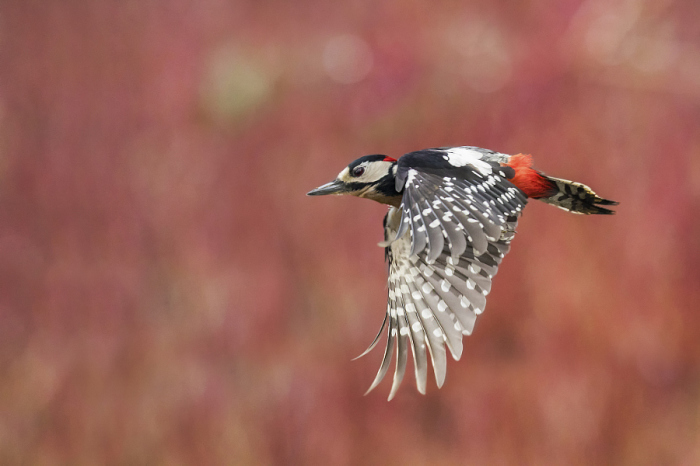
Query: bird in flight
x=452, y=216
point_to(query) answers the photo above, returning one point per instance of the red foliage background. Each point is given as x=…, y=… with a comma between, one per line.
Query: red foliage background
x=168, y=295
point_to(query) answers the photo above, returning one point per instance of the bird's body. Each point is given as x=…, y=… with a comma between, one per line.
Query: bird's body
x=453, y=214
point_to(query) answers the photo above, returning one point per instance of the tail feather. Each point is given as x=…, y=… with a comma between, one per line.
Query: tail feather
x=576, y=197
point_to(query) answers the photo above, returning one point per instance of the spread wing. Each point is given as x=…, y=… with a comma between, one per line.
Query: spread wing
x=444, y=245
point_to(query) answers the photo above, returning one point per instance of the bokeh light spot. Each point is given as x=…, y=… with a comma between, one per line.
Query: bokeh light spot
x=347, y=59
x=234, y=84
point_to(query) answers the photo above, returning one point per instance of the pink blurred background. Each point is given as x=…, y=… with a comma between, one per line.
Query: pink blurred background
x=169, y=295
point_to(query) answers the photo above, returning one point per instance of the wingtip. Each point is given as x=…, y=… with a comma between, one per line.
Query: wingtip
x=392, y=394
x=439, y=362
x=456, y=352
x=440, y=381
x=363, y=354
x=374, y=385
x=376, y=339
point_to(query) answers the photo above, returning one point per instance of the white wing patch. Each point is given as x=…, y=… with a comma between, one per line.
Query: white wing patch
x=461, y=156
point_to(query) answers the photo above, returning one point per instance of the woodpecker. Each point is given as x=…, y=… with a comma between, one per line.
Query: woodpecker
x=452, y=216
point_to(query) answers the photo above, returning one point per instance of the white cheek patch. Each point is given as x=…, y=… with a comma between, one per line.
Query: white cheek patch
x=374, y=172
x=461, y=156
x=344, y=175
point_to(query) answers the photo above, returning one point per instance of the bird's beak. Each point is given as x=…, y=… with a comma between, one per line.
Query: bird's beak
x=334, y=187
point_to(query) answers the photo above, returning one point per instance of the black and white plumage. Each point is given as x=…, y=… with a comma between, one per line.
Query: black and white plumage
x=453, y=214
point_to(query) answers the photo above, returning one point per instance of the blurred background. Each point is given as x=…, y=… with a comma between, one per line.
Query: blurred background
x=169, y=295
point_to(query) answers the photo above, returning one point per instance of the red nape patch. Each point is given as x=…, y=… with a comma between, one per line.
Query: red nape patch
x=527, y=179
x=389, y=159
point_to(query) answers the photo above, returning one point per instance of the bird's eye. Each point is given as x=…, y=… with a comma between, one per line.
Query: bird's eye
x=358, y=171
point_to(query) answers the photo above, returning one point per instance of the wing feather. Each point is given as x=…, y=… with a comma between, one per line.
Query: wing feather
x=401, y=356
x=435, y=231
x=418, y=344
x=376, y=339
x=384, y=367
x=419, y=231
x=448, y=299
x=453, y=334
x=450, y=226
x=433, y=332
x=476, y=237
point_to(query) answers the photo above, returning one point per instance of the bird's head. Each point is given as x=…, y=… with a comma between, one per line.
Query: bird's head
x=372, y=177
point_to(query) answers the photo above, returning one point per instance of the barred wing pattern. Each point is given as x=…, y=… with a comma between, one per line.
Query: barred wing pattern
x=460, y=229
